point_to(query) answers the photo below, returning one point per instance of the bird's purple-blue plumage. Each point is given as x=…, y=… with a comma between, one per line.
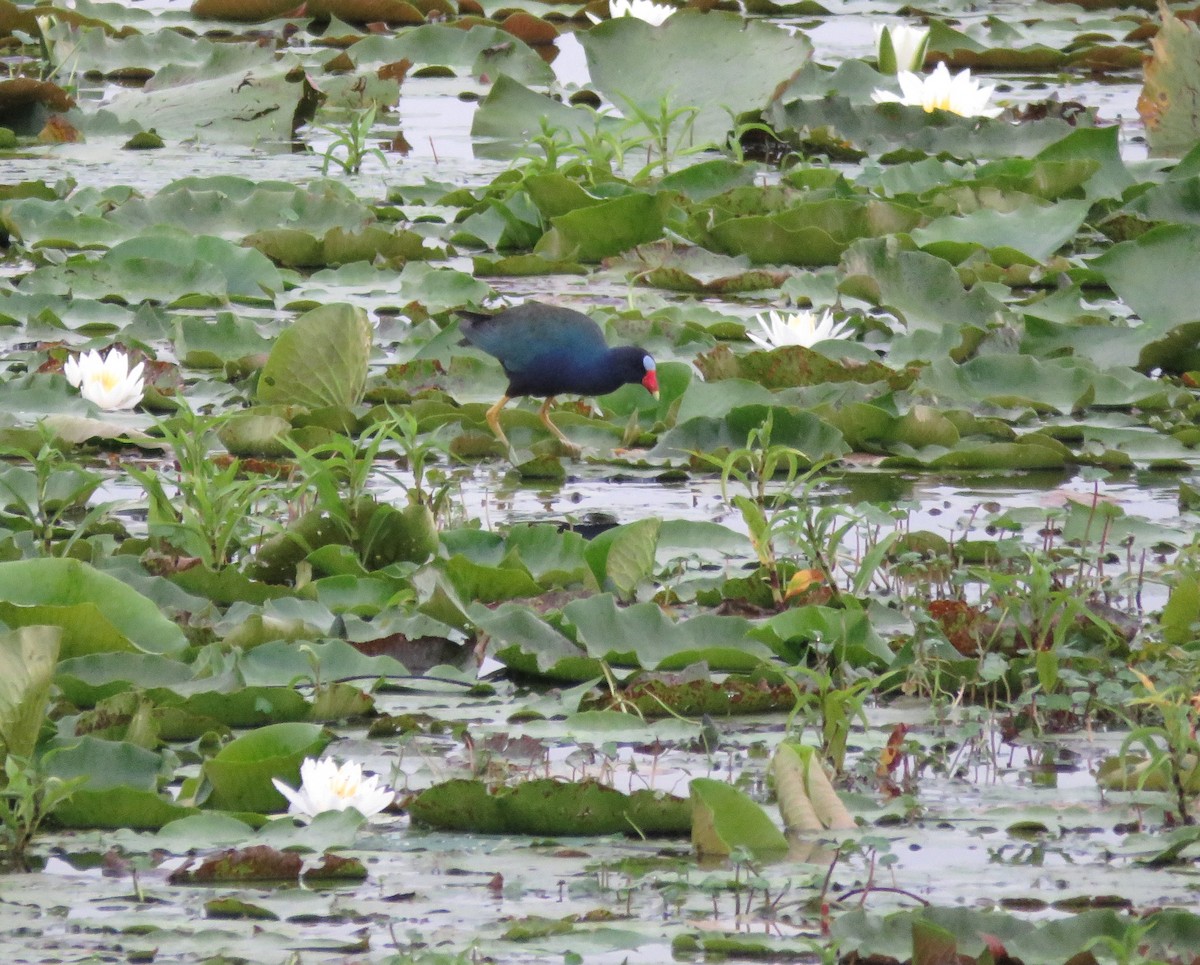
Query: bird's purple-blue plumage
x=546, y=350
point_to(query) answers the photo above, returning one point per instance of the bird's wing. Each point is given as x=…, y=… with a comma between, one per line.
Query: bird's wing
x=534, y=334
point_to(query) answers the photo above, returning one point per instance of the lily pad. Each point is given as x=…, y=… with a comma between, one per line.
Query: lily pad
x=1172, y=77
x=744, y=63
x=1036, y=231
x=320, y=360
x=547, y=807
x=241, y=772
x=483, y=51
x=27, y=659
x=724, y=819
x=263, y=104
x=1152, y=276
x=262, y=862
x=608, y=228
x=96, y=612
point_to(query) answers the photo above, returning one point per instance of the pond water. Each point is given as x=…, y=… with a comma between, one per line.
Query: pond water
x=994, y=805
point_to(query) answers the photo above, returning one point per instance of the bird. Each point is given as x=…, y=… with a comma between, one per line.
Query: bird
x=546, y=350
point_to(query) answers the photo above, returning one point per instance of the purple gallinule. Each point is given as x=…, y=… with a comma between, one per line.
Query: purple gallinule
x=546, y=351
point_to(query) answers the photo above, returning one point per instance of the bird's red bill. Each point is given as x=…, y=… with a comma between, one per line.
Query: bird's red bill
x=651, y=382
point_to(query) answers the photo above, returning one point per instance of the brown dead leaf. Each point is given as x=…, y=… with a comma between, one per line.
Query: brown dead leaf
x=58, y=131
x=418, y=654
x=1169, y=102
x=264, y=863
x=395, y=71
x=533, y=30
x=246, y=11
x=26, y=102
x=367, y=11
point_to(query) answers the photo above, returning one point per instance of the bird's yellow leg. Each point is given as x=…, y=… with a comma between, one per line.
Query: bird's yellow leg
x=493, y=420
x=545, y=414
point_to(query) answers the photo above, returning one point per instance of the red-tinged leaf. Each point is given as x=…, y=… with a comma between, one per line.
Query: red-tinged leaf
x=801, y=581
x=933, y=945
x=994, y=945
x=890, y=757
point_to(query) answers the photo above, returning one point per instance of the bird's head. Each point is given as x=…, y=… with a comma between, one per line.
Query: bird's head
x=650, y=379
x=629, y=364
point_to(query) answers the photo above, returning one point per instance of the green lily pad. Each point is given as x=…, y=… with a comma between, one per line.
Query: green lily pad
x=624, y=556
x=27, y=660
x=320, y=360
x=854, y=127
x=120, y=788
x=642, y=635
x=608, y=228
x=691, y=269
x=795, y=365
x=814, y=438
x=924, y=290
x=811, y=234
x=97, y=612
x=848, y=631
x=230, y=103
x=1152, y=273
x=1036, y=231
x=241, y=772
x=482, y=51
x=119, y=807
x=724, y=819
x=511, y=114
x=547, y=808
x=163, y=265
x=489, y=584
x=212, y=345
x=88, y=679
x=1063, y=384
x=744, y=63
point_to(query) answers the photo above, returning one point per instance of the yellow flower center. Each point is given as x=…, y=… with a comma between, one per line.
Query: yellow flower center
x=109, y=381
x=344, y=786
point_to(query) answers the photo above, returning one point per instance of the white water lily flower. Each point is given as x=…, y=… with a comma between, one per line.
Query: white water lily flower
x=801, y=328
x=108, y=381
x=326, y=787
x=960, y=94
x=900, y=47
x=648, y=10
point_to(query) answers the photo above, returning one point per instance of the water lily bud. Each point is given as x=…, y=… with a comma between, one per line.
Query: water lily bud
x=901, y=47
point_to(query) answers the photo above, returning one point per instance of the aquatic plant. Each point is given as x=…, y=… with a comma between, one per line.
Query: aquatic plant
x=959, y=94
x=652, y=13
x=107, y=380
x=799, y=328
x=900, y=47
x=327, y=786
